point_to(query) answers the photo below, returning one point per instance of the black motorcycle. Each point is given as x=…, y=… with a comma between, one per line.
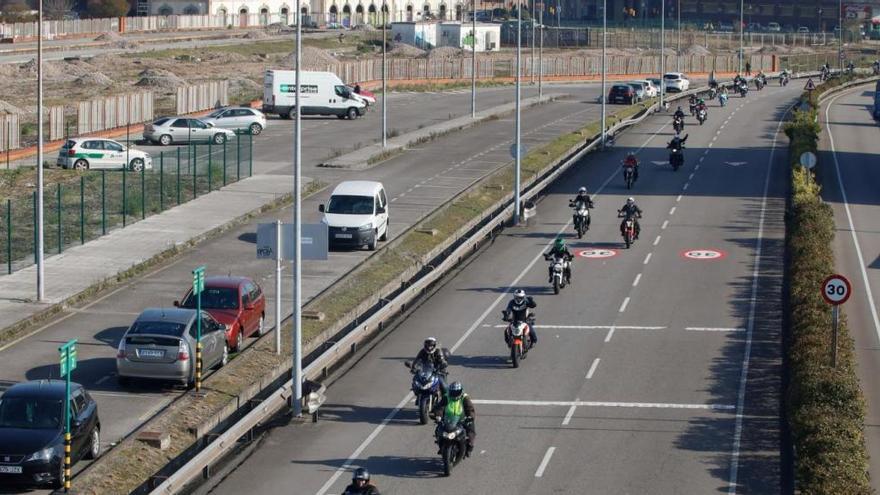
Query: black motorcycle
x=425, y=386
x=678, y=124
x=451, y=435
x=676, y=157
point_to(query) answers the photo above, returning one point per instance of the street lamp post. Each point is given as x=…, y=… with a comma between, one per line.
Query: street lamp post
x=518, y=151
x=541, y=52
x=678, y=50
x=840, y=35
x=604, y=65
x=741, y=47
x=41, y=274
x=384, y=77
x=662, y=48
x=474, y=59
x=297, y=229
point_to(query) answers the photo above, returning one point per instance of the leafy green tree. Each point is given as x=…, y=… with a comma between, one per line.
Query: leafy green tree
x=107, y=8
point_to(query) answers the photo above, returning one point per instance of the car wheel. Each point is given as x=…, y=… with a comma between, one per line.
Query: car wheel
x=384, y=234
x=94, y=444
x=256, y=128
x=219, y=138
x=352, y=113
x=136, y=165
x=81, y=164
x=225, y=358
x=291, y=114
x=165, y=140
x=261, y=326
x=374, y=243
x=123, y=381
x=239, y=338
x=58, y=482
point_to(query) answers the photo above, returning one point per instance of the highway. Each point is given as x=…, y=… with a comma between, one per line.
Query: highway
x=658, y=371
x=417, y=182
x=849, y=177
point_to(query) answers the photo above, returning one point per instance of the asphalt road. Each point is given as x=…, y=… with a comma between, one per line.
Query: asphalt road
x=657, y=372
x=849, y=177
x=417, y=182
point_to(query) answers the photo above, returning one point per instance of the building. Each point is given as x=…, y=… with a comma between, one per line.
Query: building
x=432, y=34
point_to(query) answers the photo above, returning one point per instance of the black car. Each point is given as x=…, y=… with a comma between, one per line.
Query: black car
x=32, y=432
x=622, y=93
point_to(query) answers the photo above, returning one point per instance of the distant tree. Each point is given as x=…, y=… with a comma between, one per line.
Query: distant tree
x=107, y=8
x=15, y=11
x=57, y=9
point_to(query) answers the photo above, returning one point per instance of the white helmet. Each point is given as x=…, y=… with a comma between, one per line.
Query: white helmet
x=582, y=190
x=519, y=295
x=630, y=201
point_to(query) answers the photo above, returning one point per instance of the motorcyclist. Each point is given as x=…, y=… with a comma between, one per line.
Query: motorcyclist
x=559, y=249
x=455, y=404
x=677, y=142
x=360, y=484
x=630, y=210
x=432, y=354
x=582, y=198
x=518, y=310
x=692, y=103
x=701, y=106
x=631, y=161
x=850, y=67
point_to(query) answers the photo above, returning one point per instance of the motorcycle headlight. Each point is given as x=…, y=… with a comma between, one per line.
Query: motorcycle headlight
x=450, y=435
x=367, y=226
x=42, y=455
x=426, y=386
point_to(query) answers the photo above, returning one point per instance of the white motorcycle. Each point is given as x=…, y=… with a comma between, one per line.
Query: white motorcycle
x=560, y=271
x=580, y=218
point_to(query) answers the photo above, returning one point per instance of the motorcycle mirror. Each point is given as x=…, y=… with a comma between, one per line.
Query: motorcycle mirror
x=408, y=364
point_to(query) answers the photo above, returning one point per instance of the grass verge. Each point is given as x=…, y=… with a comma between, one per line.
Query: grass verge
x=826, y=408
x=132, y=462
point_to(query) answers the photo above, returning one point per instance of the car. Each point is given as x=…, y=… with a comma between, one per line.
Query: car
x=238, y=119
x=96, y=153
x=161, y=345
x=32, y=431
x=237, y=302
x=656, y=82
x=168, y=130
x=357, y=214
x=754, y=27
x=651, y=90
x=368, y=97
x=803, y=30
x=641, y=91
x=622, y=93
x=676, y=82
x=773, y=27
x=725, y=27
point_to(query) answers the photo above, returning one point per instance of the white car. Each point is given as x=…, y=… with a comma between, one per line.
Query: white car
x=651, y=90
x=676, y=81
x=238, y=118
x=94, y=153
x=357, y=214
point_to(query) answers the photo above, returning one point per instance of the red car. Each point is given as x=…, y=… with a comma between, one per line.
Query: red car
x=237, y=302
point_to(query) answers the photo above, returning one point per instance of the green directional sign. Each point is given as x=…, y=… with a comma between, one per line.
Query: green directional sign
x=198, y=280
x=468, y=40
x=67, y=357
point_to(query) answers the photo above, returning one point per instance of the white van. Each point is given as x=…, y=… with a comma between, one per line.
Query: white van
x=323, y=93
x=357, y=214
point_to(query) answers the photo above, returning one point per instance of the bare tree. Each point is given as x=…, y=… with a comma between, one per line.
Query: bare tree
x=57, y=9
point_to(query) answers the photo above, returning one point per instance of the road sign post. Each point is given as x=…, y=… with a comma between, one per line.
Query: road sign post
x=836, y=289
x=810, y=86
x=67, y=355
x=198, y=287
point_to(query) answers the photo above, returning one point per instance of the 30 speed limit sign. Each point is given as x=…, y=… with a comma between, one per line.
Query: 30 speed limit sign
x=836, y=289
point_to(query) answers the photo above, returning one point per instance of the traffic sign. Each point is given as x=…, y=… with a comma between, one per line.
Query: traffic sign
x=836, y=289
x=67, y=357
x=810, y=86
x=198, y=280
x=808, y=159
x=522, y=151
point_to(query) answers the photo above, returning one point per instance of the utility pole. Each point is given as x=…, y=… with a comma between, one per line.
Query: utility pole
x=741, y=30
x=678, y=50
x=541, y=53
x=662, y=49
x=474, y=59
x=41, y=269
x=604, y=65
x=517, y=143
x=297, y=230
x=840, y=35
x=384, y=77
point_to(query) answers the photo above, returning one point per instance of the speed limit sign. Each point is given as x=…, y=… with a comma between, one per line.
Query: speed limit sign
x=836, y=289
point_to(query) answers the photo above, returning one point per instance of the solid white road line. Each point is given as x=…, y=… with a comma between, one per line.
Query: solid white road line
x=568, y=415
x=647, y=259
x=750, y=326
x=592, y=369
x=852, y=229
x=657, y=240
x=609, y=334
x=582, y=403
x=544, y=462
x=623, y=305
x=715, y=329
x=636, y=281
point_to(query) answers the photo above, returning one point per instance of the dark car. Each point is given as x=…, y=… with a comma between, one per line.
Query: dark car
x=622, y=93
x=237, y=302
x=32, y=432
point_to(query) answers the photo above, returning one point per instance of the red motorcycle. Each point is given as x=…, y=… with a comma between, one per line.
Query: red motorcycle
x=629, y=230
x=516, y=334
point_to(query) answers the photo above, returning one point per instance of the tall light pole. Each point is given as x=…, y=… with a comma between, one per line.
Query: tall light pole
x=41, y=269
x=384, y=77
x=297, y=229
x=532, y=45
x=474, y=59
x=840, y=35
x=662, y=49
x=541, y=52
x=741, y=30
x=678, y=50
x=518, y=151
x=604, y=65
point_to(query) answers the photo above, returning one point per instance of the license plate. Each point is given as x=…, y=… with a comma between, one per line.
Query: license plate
x=151, y=353
x=10, y=469
x=343, y=236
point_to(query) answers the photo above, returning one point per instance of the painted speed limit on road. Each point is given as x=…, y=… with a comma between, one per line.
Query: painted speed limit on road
x=836, y=289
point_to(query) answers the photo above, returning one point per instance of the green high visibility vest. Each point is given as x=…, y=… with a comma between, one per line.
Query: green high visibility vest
x=454, y=407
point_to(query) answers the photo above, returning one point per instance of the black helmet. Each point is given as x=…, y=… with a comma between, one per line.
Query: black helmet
x=430, y=344
x=455, y=390
x=361, y=474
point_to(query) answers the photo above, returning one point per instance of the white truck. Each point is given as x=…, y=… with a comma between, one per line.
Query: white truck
x=323, y=93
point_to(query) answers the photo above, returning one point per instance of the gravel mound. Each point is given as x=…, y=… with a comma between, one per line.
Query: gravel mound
x=109, y=36
x=94, y=79
x=445, y=52
x=312, y=58
x=255, y=35
x=696, y=50
x=159, y=78
x=364, y=27
x=9, y=108
x=51, y=70
x=116, y=40
x=406, y=50
x=243, y=84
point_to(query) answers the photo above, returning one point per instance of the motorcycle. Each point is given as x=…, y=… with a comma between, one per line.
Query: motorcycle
x=676, y=157
x=692, y=107
x=425, y=386
x=580, y=218
x=759, y=83
x=722, y=99
x=712, y=93
x=629, y=176
x=516, y=333
x=678, y=124
x=743, y=90
x=629, y=230
x=560, y=267
x=701, y=115
x=451, y=435
x=783, y=80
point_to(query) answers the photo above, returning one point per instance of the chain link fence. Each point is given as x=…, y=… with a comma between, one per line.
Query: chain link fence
x=91, y=203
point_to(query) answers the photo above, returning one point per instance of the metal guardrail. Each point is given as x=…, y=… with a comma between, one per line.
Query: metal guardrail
x=827, y=94
x=347, y=344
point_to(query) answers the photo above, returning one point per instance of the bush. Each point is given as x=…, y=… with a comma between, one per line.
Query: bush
x=826, y=408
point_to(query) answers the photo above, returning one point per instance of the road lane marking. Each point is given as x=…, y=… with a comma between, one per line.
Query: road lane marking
x=647, y=259
x=852, y=229
x=677, y=200
x=589, y=327
x=609, y=334
x=581, y=403
x=568, y=415
x=657, y=240
x=691, y=177
x=636, y=281
x=685, y=187
x=715, y=329
x=753, y=303
x=544, y=462
x=665, y=224
x=623, y=306
x=672, y=210
x=592, y=370
x=697, y=167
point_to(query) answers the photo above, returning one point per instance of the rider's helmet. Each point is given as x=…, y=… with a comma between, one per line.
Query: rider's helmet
x=630, y=201
x=582, y=190
x=679, y=107
x=430, y=344
x=360, y=474
x=559, y=243
x=519, y=296
x=456, y=390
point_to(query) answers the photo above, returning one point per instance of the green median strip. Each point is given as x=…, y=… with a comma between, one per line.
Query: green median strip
x=131, y=463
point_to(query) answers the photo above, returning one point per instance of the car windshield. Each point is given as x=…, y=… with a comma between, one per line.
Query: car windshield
x=30, y=413
x=217, y=113
x=350, y=205
x=161, y=121
x=157, y=328
x=671, y=76
x=214, y=298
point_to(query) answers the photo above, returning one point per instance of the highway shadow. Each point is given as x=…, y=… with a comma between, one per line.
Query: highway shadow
x=859, y=177
x=353, y=413
x=88, y=373
x=482, y=362
x=249, y=237
x=111, y=336
x=502, y=289
x=391, y=466
x=875, y=264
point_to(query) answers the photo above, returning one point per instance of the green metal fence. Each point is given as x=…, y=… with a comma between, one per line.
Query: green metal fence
x=100, y=201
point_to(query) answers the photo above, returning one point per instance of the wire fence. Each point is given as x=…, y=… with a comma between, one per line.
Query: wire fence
x=96, y=202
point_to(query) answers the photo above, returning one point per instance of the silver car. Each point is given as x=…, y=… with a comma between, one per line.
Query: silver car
x=238, y=118
x=169, y=130
x=161, y=345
